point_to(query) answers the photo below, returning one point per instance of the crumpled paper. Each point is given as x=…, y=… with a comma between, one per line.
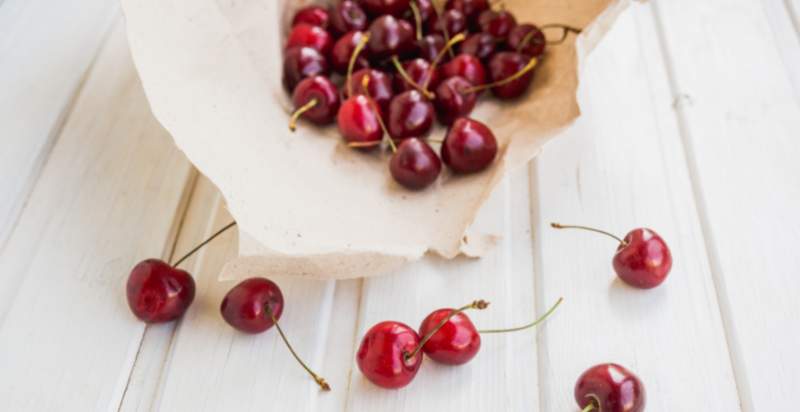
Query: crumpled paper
x=305, y=203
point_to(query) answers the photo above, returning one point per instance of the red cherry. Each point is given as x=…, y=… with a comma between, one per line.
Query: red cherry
x=306, y=35
x=382, y=355
x=505, y=65
x=343, y=50
x=415, y=165
x=245, y=306
x=454, y=99
x=480, y=45
x=466, y=66
x=609, y=388
x=380, y=87
x=359, y=123
x=410, y=115
x=316, y=99
x=348, y=16
x=527, y=39
x=313, y=15
x=449, y=23
x=158, y=292
x=390, y=36
x=395, y=8
x=471, y=9
x=429, y=46
x=302, y=62
x=469, y=146
x=497, y=23
x=420, y=73
x=455, y=343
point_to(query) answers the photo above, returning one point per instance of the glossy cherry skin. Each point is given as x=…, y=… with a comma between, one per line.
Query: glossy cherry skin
x=419, y=70
x=390, y=36
x=451, y=22
x=504, y=65
x=430, y=45
x=480, y=45
x=380, y=356
x=157, y=292
x=348, y=16
x=306, y=35
x=610, y=388
x=343, y=49
x=527, y=39
x=466, y=66
x=644, y=260
x=302, y=62
x=456, y=343
x=358, y=121
x=471, y=9
x=453, y=101
x=245, y=306
x=313, y=15
x=497, y=23
x=415, y=165
x=469, y=147
x=395, y=8
x=410, y=115
x=321, y=89
x=380, y=87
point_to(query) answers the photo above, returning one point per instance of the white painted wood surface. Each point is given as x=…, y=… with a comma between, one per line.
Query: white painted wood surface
x=691, y=125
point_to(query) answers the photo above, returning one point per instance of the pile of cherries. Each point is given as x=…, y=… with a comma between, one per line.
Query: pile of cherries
x=386, y=70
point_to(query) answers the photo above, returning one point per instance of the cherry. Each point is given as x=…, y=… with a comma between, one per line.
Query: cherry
x=343, y=50
x=379, y=88
x=527, y=39
x=390, y=36
x=497, y=23
x=449, y=23
x=480, y=45
x=302, y=62
x=507, y=65
x=415, y=165
x=380, y=7
x=359, y=122
x=158, y=292
x=424, y=8
x=466, y=66
x=306, y=35
x=410, y=115
x=643, y=260
x=454, y=100
x=609, y=388
x=416, y=74
x=384, y=355
x=469, y=146
x=471, y=9
x=348, y=16
x=313, y=15
x=316, y=99
x=429, y=46
x=255, y=305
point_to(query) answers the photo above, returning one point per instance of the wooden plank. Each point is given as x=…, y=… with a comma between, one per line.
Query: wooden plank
x=740, y=135
x=785, y=36
x=503, y=376
x=43, y=57
x=621, y=167
x=107, y=197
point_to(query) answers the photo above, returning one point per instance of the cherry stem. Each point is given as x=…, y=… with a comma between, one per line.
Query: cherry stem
x=591, y=229
x=530, y=325
x=352, y=64
x=478, y=304
x=526, y=40
x=445, y=33
x=299, y=112
x=528, y=67
x=404, y=74
x=417, y=18
x=589, y=407
x=566, y=30
x=318, y=379
x=365, y=86
x=203, y=243
x=447, y=47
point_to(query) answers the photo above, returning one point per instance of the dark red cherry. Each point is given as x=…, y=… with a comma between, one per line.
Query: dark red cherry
x=410, y=115
x=245, y=306
x=426, y=11
x=504, y=65
x=348, y=16
x=390, y=36
x=451, y=22
x=419, y=71
x=306, y=35
x=358, y=121
x=456, y=343
x=527, y=39
x=497, y=23
x=471, y=9
x=469, y=147
x=324, y=93
x=466, y=66
x=302, y=62
x=158, y=292
x=454, y=100
x=643, y=260
x=430, y=45
x=610, y=388
x=343, y=50
x=480, y=45
x=381, y=357
x=395, y=8
x=415, y=165
x=380, y=87
x=313, y=15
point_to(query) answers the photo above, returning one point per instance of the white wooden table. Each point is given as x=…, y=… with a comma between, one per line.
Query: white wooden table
x=691, y=126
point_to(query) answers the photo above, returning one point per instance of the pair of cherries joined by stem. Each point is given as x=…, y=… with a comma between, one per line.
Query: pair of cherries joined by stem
x=158, y=292
x=391, y=352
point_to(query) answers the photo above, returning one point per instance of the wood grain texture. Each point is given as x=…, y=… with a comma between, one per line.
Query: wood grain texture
x=43, y=57
x=108, y=197
x=621, y=167
x=740, y=133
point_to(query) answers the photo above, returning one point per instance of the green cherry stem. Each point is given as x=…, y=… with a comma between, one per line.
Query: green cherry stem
x=299, y=112
x=417, y=18
x=528, y=67
x=591, y=229
x=404, y=74
x=436, y=61
x=352, y=64
x=478, y=304
x=365, y=86
x=318, y=379
x=589, y=407
x=530, y=325
x=203, y=243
